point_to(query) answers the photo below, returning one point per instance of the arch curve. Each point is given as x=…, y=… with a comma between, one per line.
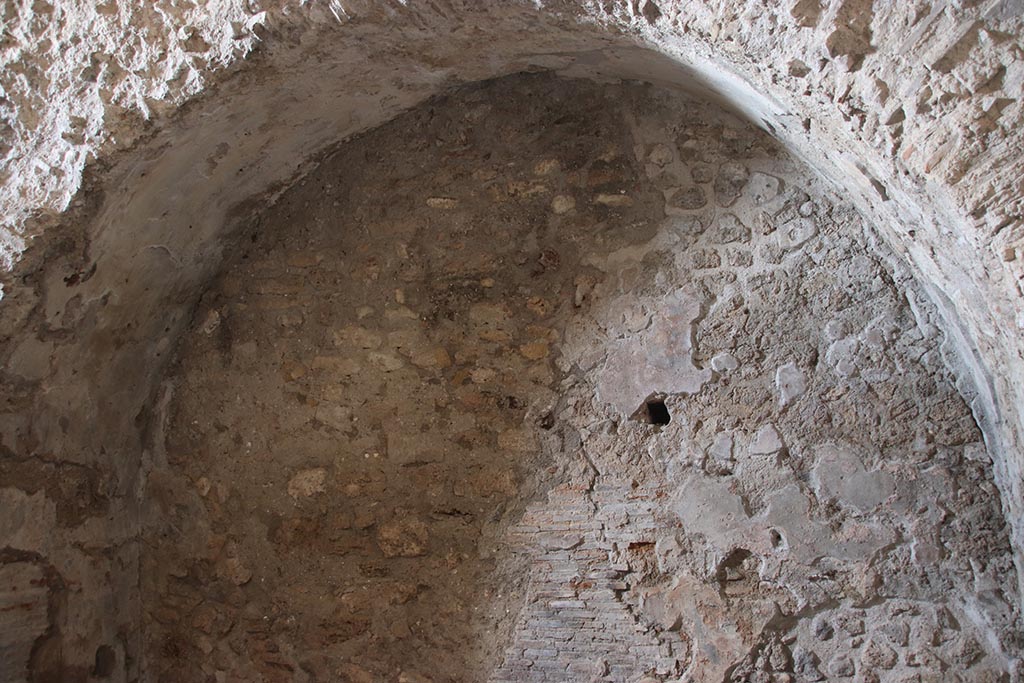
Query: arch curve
x=914, y=112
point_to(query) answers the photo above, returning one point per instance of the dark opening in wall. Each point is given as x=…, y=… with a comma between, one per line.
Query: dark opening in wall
x=737, y=574
x=106, y=661
x=653, y=411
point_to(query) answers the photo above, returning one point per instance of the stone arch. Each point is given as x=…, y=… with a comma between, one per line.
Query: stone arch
x=913, y=110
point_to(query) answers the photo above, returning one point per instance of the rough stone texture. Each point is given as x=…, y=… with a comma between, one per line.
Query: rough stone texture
x=403, y=439
x=913, y=109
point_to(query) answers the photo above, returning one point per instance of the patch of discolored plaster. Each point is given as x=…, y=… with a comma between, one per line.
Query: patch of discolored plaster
x=652, y=352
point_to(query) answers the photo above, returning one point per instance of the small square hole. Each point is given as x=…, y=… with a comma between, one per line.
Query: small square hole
x=657, y=411
x=653, y=411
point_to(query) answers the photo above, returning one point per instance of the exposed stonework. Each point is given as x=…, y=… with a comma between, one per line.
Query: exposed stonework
x=913, y=109
x=400, y=444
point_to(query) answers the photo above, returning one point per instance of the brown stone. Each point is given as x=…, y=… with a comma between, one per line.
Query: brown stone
x=403, y=536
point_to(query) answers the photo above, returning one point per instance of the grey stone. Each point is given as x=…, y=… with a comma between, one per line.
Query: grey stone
x=790, y=383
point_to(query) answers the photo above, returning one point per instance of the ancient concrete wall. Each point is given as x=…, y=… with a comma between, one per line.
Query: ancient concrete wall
x=912, y=108
x=410, y=436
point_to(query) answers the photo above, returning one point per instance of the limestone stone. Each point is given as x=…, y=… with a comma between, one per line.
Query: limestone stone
x=732, y=177
x=436, y=358
x=306, y=483
x=722, y=447
x=766, y=441
x=236, y=572
x=615, y=200
x=790, y=383
x=333, y=415
x=403, y=537
x=688, y=198
x=762, y=187
x=724, y=362
x=446, y=203
x=796, y=233
x=563, y=204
